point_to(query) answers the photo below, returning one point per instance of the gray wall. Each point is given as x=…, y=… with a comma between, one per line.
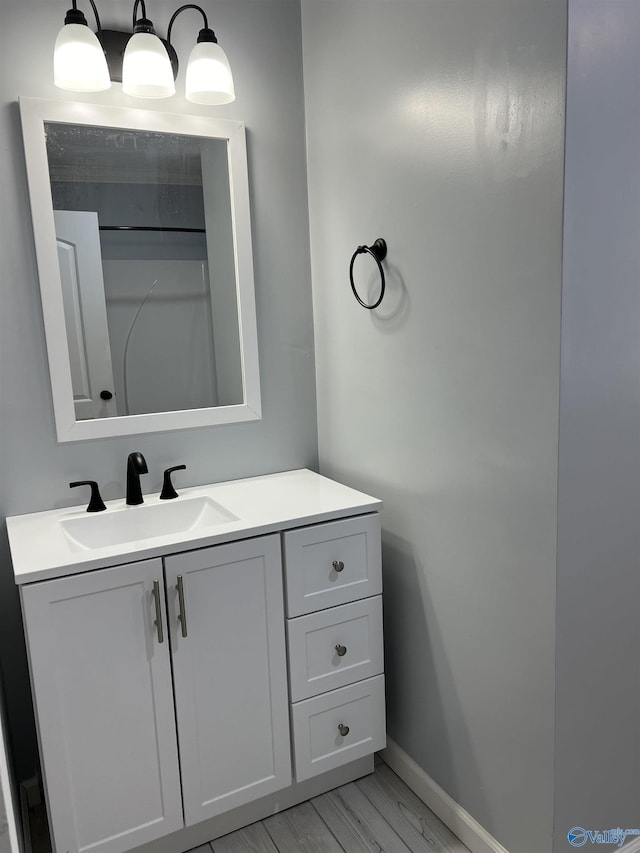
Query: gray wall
x=598, y=633
x=262, y=40
x=439, y=126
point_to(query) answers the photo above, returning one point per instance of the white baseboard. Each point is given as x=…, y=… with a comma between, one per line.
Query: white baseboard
x=459, y=821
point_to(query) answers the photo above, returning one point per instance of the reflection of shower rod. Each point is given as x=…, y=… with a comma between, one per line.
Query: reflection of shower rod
x=150, y=228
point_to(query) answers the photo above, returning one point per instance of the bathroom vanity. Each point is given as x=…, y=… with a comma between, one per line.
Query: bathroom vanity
x=197, y=664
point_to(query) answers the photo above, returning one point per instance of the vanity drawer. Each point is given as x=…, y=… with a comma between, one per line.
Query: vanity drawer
x=333, y=563
x=335, y=647
x=338, y=727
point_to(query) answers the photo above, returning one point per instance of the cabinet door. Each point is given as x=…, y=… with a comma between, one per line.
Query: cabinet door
x=104, y=705
x=229, y=674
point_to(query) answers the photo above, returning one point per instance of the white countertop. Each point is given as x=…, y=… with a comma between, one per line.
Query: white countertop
x=41, y=550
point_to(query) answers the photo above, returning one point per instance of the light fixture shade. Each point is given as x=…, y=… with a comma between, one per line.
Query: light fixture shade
x=79, y=63
x=208, y=79
x=146, y=68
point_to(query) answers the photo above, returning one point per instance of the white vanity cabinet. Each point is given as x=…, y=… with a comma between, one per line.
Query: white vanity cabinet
x=101, y=659
x=196, y=680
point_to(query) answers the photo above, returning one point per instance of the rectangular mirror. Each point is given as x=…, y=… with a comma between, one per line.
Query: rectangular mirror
x=143, y=242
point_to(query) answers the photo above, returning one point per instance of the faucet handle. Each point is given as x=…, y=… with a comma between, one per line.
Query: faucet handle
x=96, y=504
x=168, y=492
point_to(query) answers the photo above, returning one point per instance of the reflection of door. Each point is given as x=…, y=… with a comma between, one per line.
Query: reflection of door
x=85, y=313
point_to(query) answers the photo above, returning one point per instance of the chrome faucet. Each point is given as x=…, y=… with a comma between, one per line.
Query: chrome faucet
x=136, y=465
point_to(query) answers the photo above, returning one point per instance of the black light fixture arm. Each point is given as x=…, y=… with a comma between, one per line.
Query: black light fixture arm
x=135, y=12
x=143, y=24
x=75, y=16
x=205, y=34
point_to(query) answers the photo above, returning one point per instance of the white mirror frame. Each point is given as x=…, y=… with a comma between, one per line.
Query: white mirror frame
x=34, y=113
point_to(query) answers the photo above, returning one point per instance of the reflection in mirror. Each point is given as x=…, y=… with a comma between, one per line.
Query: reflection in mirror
x=142, y=297
x=144, y=254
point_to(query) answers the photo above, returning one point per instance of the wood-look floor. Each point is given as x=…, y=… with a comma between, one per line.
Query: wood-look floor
x=376, y=814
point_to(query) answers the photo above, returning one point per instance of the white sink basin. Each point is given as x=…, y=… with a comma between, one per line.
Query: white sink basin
x=147, y=521
x=68, y=540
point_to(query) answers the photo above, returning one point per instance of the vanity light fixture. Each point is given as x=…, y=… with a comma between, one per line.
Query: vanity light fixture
x=79, y=63
x=208, y=79
x=146, y=65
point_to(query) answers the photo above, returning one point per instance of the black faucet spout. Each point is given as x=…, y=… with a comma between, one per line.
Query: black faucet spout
x=136, y=465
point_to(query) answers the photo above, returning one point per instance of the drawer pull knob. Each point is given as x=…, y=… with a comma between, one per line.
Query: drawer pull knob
x=338, y=565
x=341, y=650
x=344, y=730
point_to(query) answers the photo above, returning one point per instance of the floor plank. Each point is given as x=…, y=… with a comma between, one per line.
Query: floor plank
x=301, y=829
x=414, y=822
x=443, y=831
x=355, y=822
x=250, y=839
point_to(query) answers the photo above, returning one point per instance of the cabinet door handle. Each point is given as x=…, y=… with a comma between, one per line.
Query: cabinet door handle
x=338, y=565
x=182, y=616
x=341, y=650
x=344, y=730
x=158, y=622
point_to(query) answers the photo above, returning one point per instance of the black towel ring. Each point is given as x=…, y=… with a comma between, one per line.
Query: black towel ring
x=378, y=252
